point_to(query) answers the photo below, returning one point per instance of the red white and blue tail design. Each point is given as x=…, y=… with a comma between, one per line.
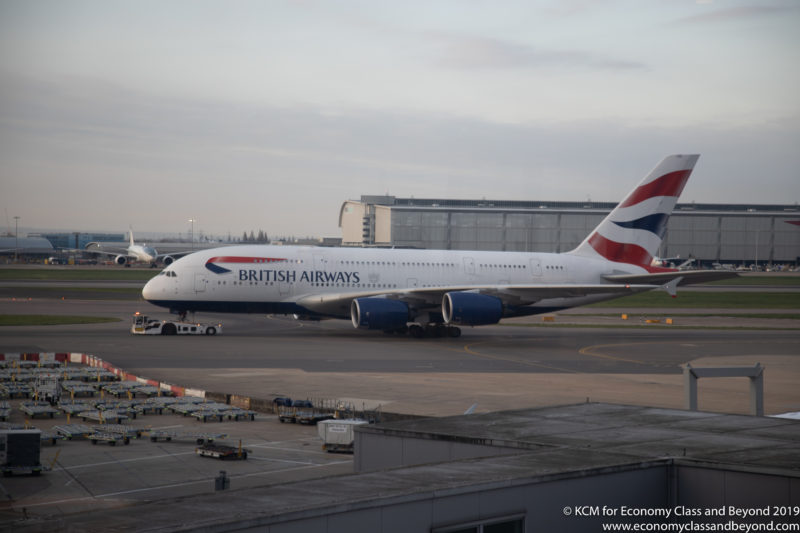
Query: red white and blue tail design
x=633, y=231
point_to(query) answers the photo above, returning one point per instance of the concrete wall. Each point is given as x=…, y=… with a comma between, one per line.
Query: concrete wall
x=541, y=504
x=541, y=501
x=351, y=217
x=715, y=487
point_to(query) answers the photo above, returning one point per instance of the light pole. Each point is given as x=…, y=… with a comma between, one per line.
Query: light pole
x=191, y=235
x=16, y=239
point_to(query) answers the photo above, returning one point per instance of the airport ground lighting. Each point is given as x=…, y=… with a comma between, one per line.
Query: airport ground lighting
x=191, y=233
x=16, y=239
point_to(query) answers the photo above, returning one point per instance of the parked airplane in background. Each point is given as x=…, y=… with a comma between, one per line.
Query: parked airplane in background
x=672, y=262
x=438, y=290
x=134, y=252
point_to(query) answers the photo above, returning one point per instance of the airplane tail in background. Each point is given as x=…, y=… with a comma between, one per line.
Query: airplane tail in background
x=130, y=233
x=633, y=231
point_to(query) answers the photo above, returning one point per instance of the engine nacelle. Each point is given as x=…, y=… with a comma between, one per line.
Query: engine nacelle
x=120, y=260
x=471, y=309
x=378, y=313
x=167, y=260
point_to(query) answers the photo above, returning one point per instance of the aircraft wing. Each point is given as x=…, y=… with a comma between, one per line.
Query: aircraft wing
x=95, y=248
x=685, y=277
x=175, y=254
x=108, y=252
x=338, y=304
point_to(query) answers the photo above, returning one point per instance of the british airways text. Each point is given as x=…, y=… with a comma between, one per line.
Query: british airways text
x=291, y=276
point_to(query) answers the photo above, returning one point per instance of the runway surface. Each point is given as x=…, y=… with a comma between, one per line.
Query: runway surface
x=497, y=367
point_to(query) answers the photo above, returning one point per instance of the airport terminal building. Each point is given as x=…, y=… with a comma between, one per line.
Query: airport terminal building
x=734, y=234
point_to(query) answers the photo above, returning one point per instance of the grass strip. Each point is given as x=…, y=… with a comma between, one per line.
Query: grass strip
x=645, y=326
x=78, y=274
x=52, y=320
x=778, y=280
x=710, y=299
x=95, y=290
x=770, y=316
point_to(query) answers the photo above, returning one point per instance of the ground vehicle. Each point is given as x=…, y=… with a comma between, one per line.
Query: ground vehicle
x=299, y=411
x=144, y=325
x=221, y=451
x=19, y=451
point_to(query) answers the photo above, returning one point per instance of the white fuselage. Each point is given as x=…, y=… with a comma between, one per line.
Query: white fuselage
x=282, y=279
x=146, y=254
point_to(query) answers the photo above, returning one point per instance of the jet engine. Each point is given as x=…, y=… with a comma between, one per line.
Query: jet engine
x=378, y=313
x=471, y=309
x=167, y=260
x=120, y=260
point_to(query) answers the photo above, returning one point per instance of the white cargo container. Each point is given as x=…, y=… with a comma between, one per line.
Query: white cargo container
x=338, y=435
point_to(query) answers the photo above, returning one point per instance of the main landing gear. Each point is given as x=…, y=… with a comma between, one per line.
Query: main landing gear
x=430, y=330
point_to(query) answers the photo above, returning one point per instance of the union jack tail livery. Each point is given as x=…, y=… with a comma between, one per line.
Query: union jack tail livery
x=633, y=231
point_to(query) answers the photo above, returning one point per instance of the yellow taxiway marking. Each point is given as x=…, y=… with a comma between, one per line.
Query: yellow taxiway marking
x=469, y=349
x=593, y=351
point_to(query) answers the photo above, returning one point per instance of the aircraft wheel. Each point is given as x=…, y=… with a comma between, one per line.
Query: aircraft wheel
x=435, y=330
x=211, y=331
x=416, y=331
x=454, y=332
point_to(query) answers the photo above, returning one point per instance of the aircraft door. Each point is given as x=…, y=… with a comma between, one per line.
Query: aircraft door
x=285, y=284
x=200, y=283
x=536, y=268
x=320, y=262
x=469, y=265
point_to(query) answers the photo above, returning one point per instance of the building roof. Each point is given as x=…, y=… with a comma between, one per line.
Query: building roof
x=566, y=442
x=25, y=245
x=451, y=203
x=637, y=432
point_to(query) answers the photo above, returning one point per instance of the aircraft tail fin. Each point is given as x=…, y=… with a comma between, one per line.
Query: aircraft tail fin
x=130, y=234
x=633, y=231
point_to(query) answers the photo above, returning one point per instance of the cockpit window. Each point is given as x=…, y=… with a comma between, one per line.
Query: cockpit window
x=168, y=273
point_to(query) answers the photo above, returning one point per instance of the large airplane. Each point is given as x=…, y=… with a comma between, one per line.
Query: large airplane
x=133, y=252
x=435, y=291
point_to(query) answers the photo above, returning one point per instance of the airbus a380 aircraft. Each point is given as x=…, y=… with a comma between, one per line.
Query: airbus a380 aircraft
x=438, y=290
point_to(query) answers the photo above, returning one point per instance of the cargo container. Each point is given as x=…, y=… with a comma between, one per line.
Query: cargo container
x=19, y=451
x=338, y=435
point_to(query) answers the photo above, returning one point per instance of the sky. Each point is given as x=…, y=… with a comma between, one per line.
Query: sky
x=268, y=115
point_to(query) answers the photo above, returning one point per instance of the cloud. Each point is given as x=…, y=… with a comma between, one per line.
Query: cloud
x=463, y=52
x=739, y=13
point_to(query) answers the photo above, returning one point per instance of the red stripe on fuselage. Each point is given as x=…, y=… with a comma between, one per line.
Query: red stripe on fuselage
x=247, y=260
x=671, y=184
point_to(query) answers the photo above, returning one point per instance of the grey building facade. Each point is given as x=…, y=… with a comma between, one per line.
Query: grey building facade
x=711, y=233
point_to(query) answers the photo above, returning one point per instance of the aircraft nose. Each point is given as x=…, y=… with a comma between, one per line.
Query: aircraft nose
x=149, y=290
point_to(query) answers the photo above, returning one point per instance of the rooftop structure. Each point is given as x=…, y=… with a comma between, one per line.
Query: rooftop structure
x=547, y=469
